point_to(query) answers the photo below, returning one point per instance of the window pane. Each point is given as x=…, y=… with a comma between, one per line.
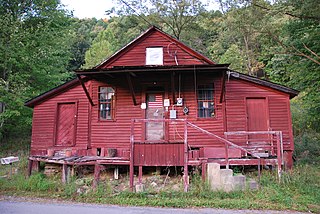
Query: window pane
x=106, y=97
x=205, y=97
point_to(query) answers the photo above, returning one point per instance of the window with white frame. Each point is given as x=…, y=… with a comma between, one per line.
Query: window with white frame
x=106, y=103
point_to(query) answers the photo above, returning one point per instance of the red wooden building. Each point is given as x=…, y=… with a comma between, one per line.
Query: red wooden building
x=157, y=102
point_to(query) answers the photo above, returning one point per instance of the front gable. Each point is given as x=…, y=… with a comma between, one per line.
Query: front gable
x=174, y=52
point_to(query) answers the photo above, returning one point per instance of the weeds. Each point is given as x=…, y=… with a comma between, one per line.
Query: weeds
x=297, y=190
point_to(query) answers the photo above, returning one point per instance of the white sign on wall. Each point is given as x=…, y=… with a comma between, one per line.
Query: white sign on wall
x=154, y=56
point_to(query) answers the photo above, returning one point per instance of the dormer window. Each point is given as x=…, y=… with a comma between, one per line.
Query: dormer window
x=154, y=56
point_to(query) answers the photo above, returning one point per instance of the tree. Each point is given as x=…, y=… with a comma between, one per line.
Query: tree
x=85, y=31
x=35, y=43
x=176, y=15
x=119, y=32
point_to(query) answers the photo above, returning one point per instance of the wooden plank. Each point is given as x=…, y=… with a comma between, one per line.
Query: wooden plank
x=97, y=171
x=133, y=95
x=65, y=173
x=85, y=89
x=30, y=163
x=220, y=152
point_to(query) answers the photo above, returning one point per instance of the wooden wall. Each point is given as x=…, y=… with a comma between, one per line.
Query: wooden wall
x=45, y=116
x=136, y=55
x=91, y=132
x=278, y=107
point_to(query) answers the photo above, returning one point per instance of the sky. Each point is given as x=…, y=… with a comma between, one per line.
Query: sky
x=97, y=8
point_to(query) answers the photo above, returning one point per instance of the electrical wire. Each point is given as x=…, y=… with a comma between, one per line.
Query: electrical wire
x=135, y=12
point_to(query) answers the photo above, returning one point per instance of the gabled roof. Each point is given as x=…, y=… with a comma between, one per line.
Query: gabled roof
x=142, y=36
x=51, y=93
x=101, y=69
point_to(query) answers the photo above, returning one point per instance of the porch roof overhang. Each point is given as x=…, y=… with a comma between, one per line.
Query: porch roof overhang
x=133, y=71
x=154, y=69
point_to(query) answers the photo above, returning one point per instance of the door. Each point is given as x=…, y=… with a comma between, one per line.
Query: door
x=257, y=117
x=66, y=124
x=154, y=130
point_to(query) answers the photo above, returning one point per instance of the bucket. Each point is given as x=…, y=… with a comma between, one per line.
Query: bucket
x=50, y=152
x=68, y=153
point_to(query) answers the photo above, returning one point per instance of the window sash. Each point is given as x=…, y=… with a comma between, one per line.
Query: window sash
x=106, y=97
x=205, y=101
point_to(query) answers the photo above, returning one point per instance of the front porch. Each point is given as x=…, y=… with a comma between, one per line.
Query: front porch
x=179, y=151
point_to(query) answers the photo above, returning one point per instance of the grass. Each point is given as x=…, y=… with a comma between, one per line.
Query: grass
x=298, y=190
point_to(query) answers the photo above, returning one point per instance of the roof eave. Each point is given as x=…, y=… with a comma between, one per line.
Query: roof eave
x=284, y=89
x=144, y=34
x=52, y=92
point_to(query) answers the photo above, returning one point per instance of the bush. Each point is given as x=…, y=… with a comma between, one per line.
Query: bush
x=307, y=148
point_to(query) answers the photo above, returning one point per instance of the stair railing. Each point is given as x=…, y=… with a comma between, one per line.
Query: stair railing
x=227, y=144
x=279, y=144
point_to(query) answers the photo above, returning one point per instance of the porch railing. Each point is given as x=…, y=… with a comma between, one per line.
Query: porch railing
x=228, y=144
x=270, y=143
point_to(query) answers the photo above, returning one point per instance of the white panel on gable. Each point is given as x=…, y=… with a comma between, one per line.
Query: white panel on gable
x=154, y=56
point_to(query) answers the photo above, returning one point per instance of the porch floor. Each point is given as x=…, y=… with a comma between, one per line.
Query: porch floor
x=80, y=160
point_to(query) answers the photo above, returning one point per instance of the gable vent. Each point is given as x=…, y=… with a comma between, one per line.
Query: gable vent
x=154, y=56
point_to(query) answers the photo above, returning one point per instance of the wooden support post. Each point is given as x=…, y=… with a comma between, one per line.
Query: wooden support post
x=204, y=169
x=173, y=87
x=36, y=166
x=116, y=173
x=222, y=87
x=279, y=156
x=140, y=174
x=227, y=155
x=131, y=155
x=30, y=163
x=259, y=170
x=130, y=84
x=72, y=173
x=65, y=173
x=97, y=170
x=85, y=90
x=186, y=177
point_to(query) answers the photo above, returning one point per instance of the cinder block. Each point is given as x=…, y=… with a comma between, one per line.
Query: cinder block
x=226, y=176
x=239, y=182
x=213, y=175
x=253, y=185
x=139, y=187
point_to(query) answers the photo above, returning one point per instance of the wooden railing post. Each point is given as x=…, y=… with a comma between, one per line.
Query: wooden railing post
x=131, y=170
x=227, y=155
x=186, y=178
x=279, y=159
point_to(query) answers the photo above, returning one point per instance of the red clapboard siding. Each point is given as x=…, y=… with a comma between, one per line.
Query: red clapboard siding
x=136, y=56
x=66, y=118
x=277, y=108
x=158, y=154
x=45, y=119
x=116, y=133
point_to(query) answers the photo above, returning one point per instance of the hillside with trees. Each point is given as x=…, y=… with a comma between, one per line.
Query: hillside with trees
x=41, y=43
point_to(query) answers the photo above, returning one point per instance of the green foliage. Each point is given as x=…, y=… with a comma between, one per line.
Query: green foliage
x=36, y=182
x=120, y=31
x=102, y=47
x=297, y=190
x=86, y=30
x=307, y=148
x=34, y=52
x=235, y=58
